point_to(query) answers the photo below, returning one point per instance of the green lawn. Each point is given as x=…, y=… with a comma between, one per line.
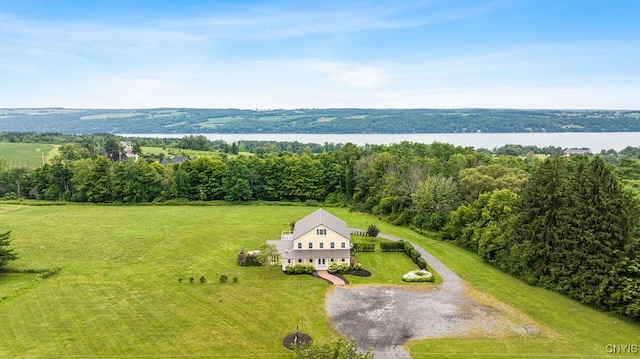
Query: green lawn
x=117, y=293
x=573, y=330
x=25, y=154
x=174, y=151
x=385, y=267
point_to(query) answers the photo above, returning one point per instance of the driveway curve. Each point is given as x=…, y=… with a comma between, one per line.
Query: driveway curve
x=386, y=317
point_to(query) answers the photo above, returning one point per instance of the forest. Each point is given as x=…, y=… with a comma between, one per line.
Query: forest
x=569, y=224
x=343, y=120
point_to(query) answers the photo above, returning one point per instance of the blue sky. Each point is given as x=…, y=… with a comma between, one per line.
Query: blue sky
x=318, y=54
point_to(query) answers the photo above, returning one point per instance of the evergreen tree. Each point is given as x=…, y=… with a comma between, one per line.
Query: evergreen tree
x=536, y=233
x=602, y=220
x=6, y=254
x=234, y=149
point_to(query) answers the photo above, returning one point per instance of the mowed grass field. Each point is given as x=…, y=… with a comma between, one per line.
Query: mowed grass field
x=117, y=292
x=25, y=154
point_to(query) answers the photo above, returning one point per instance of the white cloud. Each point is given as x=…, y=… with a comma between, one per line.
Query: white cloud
x=350, y=75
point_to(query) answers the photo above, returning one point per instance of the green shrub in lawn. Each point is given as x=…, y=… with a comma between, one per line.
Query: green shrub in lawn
x=421, y=263
x=300, y=269
x=418, y=275
x=223, y=278
x=372, y=231
x=247, y=260
x=339, y=268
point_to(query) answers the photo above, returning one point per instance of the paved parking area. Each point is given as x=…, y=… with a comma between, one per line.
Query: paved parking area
x=386, y=317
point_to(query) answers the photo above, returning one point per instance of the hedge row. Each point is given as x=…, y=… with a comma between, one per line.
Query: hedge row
x=415, y=256
x=392, y=247
x=300, y=269
x=364, y=247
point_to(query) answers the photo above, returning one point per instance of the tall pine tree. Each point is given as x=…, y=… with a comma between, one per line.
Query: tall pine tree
x=603, y=220
x=6, y=254
x=536, y=232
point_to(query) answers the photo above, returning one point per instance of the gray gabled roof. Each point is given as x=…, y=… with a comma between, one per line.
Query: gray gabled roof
x=321, y=217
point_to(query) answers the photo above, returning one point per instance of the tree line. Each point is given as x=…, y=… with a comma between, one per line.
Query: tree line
x=569, y=224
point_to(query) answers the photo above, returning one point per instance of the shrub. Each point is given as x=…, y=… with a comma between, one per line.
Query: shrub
x=339, y=268
x=235, y=279
x=357, y=266
x=223, y=278
x=364, y=247
x=179, y=280
x=421, y=263
x=373, y=231
x=247, y=260
x=406, y=246
x=203, y=280
x=418, y=275
x=392, y=247
x=300, y=269
x=191, y=279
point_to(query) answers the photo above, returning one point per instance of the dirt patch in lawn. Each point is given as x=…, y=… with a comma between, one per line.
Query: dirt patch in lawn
x=386, y=317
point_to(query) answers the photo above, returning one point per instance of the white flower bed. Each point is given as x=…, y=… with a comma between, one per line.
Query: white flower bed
x=418, y=275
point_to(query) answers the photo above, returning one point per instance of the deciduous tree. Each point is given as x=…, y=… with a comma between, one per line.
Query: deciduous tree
x=268, y=256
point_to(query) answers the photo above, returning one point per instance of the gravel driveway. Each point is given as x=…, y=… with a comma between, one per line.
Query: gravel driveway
x=386, y=317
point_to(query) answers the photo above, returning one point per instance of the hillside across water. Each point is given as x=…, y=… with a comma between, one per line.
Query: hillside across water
x=187, y=120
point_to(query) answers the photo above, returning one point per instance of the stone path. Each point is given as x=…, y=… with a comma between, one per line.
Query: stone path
x=330, y=277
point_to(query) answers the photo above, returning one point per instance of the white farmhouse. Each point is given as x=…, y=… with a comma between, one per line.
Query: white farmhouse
x=318, y=239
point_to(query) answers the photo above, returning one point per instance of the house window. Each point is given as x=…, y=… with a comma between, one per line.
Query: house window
x=299, y=245
x=310, y=245
x=344, y=245
x=299, y=260
x=333, y=245
x=343, y=259
x=321, y=232
x=288, y=261
x=321, y=245
x=331, y=260
x=310, y=260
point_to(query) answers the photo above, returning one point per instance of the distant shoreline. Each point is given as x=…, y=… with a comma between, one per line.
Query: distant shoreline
x=594, y=141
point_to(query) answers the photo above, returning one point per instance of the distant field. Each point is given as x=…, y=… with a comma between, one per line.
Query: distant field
x=217, y=121
x=104, y=116
x=25, y=154
x=117, y=293
x=173, y=151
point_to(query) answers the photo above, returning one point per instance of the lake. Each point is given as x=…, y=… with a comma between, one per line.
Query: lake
x=595, y=141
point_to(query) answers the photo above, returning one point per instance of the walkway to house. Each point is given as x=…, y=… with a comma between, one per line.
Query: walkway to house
x=330, y=277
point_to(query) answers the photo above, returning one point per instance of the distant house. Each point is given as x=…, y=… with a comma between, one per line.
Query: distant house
x=127, y=146
x=119, y=156
x=575, y=151
x=318, y=239
x=125, y=154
